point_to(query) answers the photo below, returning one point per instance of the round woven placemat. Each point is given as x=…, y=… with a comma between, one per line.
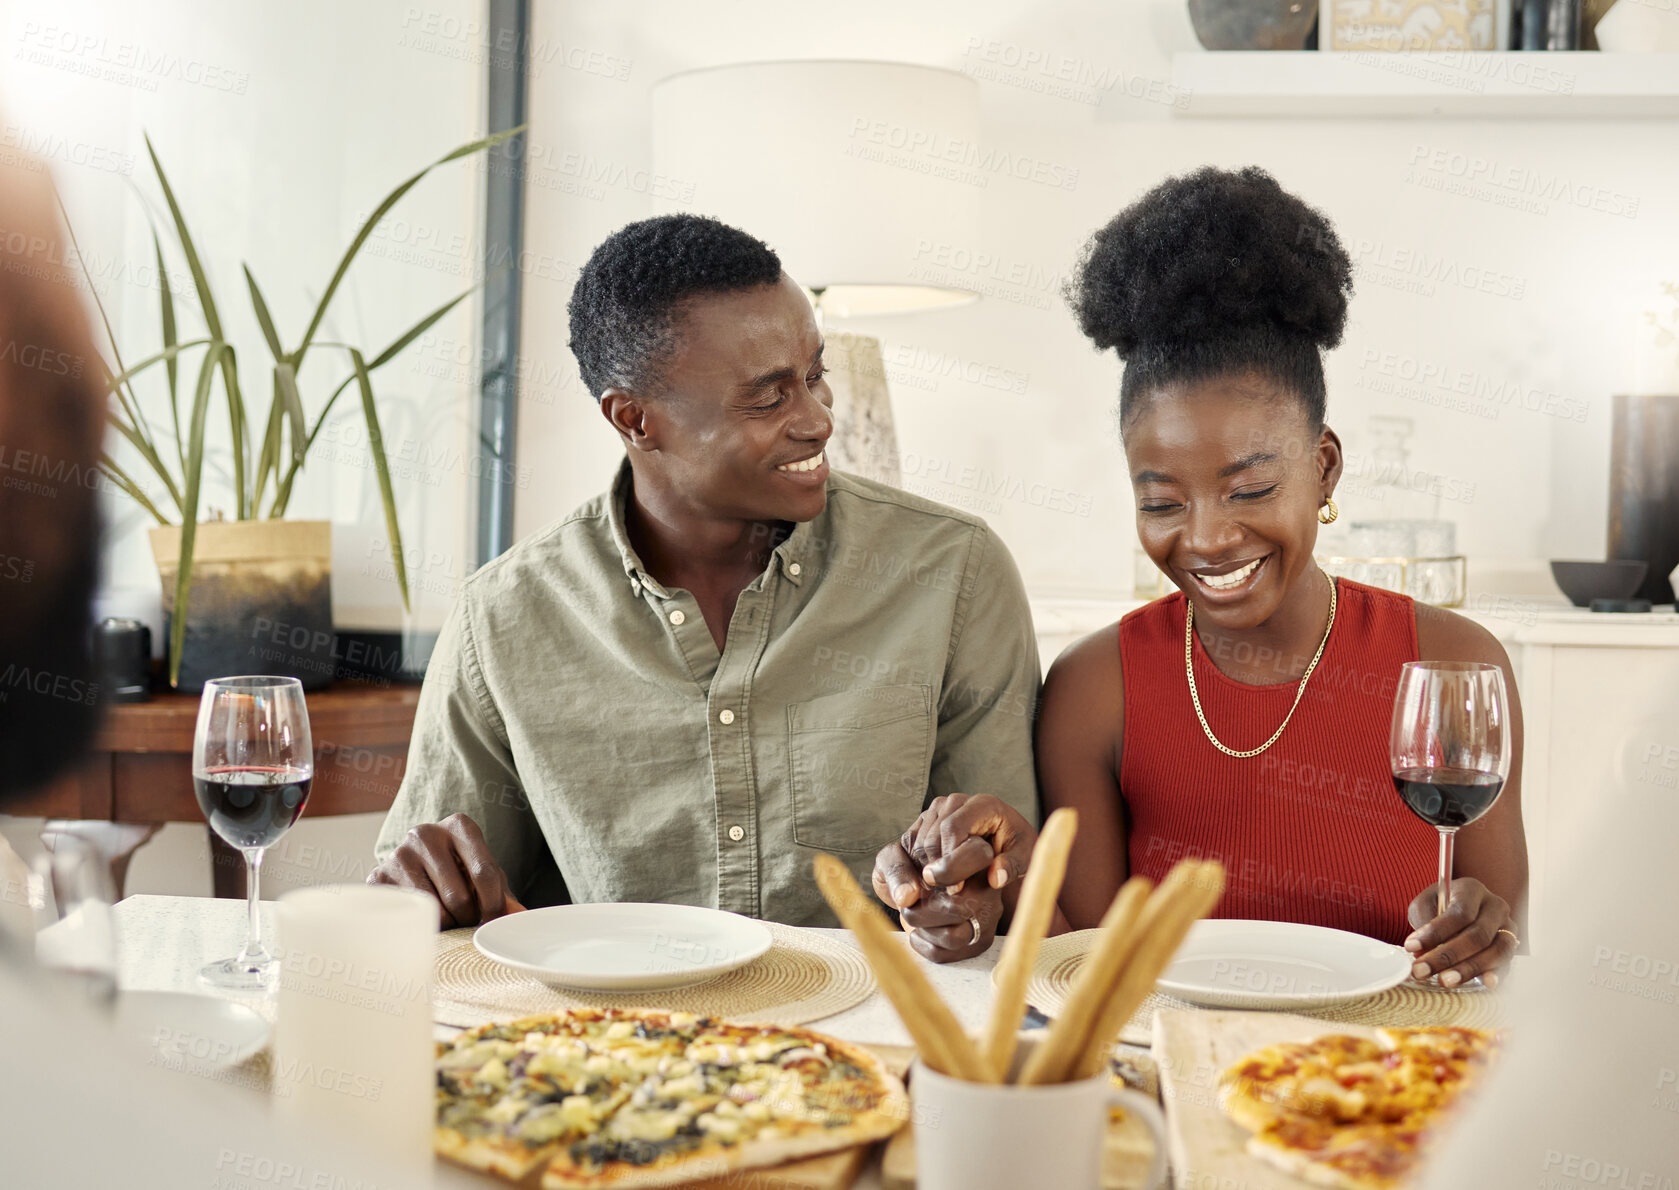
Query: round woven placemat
x=804, y=976
x=1407, y=1006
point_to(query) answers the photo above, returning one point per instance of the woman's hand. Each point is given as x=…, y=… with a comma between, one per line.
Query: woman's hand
x=926, y=874
x=1476, y=935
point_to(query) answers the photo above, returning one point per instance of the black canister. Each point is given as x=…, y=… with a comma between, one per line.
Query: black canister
x=123, y=650
x=1644, y=489
x=1545, y=24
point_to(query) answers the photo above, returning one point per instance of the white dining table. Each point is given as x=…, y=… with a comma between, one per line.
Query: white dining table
x=162, y=942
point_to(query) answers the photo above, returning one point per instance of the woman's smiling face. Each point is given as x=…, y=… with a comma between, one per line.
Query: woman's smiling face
x=1228, y=476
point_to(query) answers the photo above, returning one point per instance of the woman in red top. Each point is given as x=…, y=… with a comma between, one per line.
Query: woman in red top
x=1220, y=290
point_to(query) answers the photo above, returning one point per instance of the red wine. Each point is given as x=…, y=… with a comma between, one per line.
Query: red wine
x=1448, y=797
x=251, y=806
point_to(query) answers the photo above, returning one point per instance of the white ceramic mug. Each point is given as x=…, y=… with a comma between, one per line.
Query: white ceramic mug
x=974, y=1136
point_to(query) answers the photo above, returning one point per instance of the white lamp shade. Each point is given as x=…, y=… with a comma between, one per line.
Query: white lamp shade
x=856, y=173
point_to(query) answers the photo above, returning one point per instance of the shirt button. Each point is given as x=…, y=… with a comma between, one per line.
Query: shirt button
x=725, y=716
x=793, y=569
x=677, y=617
x=736, y=834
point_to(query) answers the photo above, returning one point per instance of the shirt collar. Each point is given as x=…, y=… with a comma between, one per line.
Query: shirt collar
x=618, y=519
x=792, y=556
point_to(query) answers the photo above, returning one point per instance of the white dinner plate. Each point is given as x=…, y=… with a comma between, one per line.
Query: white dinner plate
x=183, y=1029
x=1228, y=963
x=622, y=947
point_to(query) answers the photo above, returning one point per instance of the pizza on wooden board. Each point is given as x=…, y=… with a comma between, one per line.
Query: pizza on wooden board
x=627, y=1098
x=1351, y=1112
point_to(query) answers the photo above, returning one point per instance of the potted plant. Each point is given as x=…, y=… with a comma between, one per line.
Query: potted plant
x=251, y=594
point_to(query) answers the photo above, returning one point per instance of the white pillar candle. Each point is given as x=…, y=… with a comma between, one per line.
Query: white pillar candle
x=353, y=1040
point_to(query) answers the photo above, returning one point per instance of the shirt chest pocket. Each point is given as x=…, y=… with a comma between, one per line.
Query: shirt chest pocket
x=859, y=762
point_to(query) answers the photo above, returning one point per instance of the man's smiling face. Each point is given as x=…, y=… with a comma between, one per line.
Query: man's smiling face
x=739, y=427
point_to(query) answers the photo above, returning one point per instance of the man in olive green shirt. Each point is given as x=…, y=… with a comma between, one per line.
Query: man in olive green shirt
x=732, y=660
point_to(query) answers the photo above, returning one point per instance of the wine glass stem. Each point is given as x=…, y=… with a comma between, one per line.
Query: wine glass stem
x=1445, y=893
x=253, y=952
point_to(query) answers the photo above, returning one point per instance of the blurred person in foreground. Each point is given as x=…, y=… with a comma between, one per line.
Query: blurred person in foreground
x=79, y=1106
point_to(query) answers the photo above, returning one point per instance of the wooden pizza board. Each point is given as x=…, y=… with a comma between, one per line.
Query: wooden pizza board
x=1192, y=1049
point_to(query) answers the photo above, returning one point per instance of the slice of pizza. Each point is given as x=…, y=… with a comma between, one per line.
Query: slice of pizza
x=626, y=1098
x=509, y=1095
x=1330, y=1078
x=1365, y=1156
x=1347, y=1112
x=738, y=1097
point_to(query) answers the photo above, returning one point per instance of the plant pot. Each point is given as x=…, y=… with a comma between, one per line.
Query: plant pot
x=260, y=600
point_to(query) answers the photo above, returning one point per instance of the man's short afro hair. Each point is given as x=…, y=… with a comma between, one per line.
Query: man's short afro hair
x=627, y=297
x=1212, y=273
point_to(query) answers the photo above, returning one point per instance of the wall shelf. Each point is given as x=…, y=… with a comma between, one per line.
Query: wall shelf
x=1318, y=84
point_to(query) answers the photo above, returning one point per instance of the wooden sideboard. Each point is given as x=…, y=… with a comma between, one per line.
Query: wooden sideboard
x=140, y=770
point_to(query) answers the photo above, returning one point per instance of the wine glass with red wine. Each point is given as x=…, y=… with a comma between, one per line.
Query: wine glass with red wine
x=1450, y=747
x=252, y=763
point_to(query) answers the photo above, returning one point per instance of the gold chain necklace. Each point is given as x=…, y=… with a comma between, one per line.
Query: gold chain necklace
x=1195, y=695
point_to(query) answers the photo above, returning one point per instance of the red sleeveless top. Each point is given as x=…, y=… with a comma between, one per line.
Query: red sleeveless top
x=1310, y=830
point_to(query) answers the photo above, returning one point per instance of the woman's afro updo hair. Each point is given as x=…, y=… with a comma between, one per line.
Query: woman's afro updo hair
x=1217, y=272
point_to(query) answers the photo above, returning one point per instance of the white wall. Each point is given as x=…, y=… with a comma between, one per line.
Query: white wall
x=281, y=126
x=1573, y=280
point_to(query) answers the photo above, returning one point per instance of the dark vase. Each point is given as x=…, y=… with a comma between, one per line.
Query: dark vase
x=1253, y=24
x=1644, y=489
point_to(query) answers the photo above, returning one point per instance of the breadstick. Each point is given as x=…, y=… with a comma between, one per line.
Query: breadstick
x=1032, y=916
x=937, y=1033
x=1191, y=902
x=1101, y=967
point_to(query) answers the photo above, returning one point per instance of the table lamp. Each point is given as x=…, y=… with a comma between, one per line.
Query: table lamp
x=853, y=172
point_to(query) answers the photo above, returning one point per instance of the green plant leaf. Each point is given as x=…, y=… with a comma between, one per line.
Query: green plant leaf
x=129, y=402
x=268, y=458
x=189, y=506
x=264, y=318
x=282, y=494
x=241, y=429
x=147, y=451
x=381, y=466
x=113, y=383
x=285, y=382
x=372, y=221
x=200, y=282
x=121, y=478
x=166, y=297
x=415, y=331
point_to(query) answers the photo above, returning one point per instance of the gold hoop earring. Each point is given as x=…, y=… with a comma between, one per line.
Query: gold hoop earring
x=1328, y=513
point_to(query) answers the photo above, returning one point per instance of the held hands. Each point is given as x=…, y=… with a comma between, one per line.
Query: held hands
x=450, y=861
x=1474, y=936
x=933, y=873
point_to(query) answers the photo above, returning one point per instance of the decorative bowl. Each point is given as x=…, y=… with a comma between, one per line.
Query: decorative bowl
x=1583, y=582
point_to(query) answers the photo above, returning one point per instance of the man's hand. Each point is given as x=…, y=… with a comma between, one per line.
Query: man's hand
x=926, y=873
x=449, y=860
x=1474, y=936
